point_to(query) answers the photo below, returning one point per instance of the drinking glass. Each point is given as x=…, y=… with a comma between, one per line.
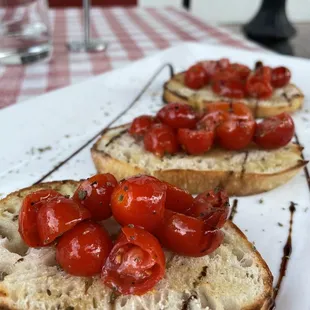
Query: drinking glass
x=25, y=35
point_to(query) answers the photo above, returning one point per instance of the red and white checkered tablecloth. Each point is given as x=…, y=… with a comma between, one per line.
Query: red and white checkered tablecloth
x=131, y=33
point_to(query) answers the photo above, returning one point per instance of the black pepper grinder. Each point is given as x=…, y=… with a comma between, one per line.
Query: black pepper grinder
x=271, y=27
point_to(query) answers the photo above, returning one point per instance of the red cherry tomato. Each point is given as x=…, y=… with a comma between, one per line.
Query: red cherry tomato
x=223, y=63
x=187, y=235
x=136, y=263
x=212, y=66
x=83, y=250
x=57, y=216
x=229, y=88
x=212, y=207
x=161, y=139
x=141, y=125
x=212, y=120
x=195, y=142
x=258, y=88
x=95, y=194
x=236, y=110
x=195, y=77
x=139, y=201
x=263, y=73
x=27, y=220
x=235, y=134
x=274, y=132
x=177, y=199
x=240, y=71
x=178, y=115
x=280, y=77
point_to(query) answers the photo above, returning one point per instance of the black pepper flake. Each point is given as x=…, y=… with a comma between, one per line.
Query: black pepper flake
x=280, y=224
x=15, y=218
x=125, y=188
x=132, y=237
x=261, y=201
x=120, y=198
x=48, y=292
x=82, y=194
x=44, y=149
x=69, y=308
x=19, y=260
x=306, y=209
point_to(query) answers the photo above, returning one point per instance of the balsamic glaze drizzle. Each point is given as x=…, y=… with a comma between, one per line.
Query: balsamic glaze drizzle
x=287, y=251
x=233, y=210
x=243, y=164
x=305, y=168
x=81, y=148
x=116, y=137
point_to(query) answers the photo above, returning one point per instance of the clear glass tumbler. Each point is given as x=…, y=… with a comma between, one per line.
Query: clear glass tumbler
x=25, y=35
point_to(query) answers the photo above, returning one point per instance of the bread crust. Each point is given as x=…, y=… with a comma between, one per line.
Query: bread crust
x=288, y=105
x=264, y=302
x=197, y=181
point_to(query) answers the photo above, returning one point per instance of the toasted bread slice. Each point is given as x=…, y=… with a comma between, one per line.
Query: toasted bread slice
x=286, y=99
x=233, y=277
x=240, y=173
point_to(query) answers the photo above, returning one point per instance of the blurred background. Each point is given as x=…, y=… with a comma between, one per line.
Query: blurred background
x=233, y=15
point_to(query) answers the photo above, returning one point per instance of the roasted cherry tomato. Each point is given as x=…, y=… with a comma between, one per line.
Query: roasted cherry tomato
x=57, y=216
x=195, y=142
x=160, y=140
x=236, y=110
x=263, y=73
x=141, y=125
x=139, y=201
x=136, y=263
x=195, y=77
x=178, y=115
x=212, y=66
x=95, y=194
x=280, y=77
x=229, y=88
x=187, y=235
x=258, y=88
x=83, y=250
x=177, y=199
x=241, y=71
x=27, y=219
x=275, y=131
x=212, y=120
x=212, y=207
x=223, y=63
x=235, y=134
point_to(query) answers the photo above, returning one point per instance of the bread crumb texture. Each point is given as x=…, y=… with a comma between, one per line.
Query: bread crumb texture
x=126, y=149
